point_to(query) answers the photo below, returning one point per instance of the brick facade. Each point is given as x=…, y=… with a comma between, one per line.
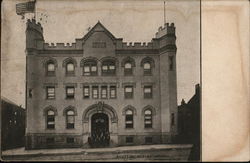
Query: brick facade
x=47, y=85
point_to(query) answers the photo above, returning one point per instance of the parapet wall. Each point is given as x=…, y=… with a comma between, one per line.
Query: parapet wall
x=53, y=46
x=136, y=45
x=167, y=29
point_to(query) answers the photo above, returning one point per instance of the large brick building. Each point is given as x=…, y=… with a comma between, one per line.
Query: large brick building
x=100, y=91
x=12, y=124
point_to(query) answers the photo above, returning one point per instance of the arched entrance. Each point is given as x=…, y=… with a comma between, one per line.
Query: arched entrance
x=100, y=135
x=100, y=126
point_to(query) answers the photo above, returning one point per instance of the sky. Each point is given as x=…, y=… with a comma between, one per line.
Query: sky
x=134, y=21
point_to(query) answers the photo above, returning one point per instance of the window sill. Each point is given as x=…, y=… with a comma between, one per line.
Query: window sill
x=90, y=75
x=50, y=99
x=69, y=98
x=50, y=75
x=129, y=128
x=128, y=75
x=148, y=128
x=70, y=75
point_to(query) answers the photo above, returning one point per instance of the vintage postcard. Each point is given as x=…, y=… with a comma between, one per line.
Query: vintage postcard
x=103, y=80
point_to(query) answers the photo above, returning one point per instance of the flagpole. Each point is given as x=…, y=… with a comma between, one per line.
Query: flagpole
x=164, y=14
x=35, y=10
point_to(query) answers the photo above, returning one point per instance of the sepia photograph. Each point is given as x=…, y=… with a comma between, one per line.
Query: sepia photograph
x=102, y=80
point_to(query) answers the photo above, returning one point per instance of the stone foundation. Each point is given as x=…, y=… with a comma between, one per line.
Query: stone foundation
x=43, y=141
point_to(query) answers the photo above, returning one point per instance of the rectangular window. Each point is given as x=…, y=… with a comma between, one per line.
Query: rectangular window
x=129, y=139
x=50, y=140
x=70, y=92
x=86, y=91
x=70, y=140
x=50, y=92
x=128, y=92
x=112, y=92
x=95, y=92
x=148, y=140
x=104, y=92
x=148, y=92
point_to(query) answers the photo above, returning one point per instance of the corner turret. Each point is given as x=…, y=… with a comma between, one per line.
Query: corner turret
x=166, y=36
x=34, y=34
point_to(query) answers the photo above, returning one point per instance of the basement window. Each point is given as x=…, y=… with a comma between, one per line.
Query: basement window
x=129, y=139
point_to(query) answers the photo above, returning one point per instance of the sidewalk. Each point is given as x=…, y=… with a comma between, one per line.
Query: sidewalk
x=65, y=151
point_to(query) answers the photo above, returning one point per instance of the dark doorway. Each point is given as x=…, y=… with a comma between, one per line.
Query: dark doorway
x=99, y=130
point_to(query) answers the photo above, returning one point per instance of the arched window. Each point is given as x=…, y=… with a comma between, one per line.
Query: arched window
x=147, y=63
x=108, y=67
x=90, y=68
x=129, y=119
x=128, y=70
x=128, y=63
x=70, y=68
x=50, y=68
x=69, y=64
x=50, y=119
x=147, y=68
x=148, y=118
x=70, y=119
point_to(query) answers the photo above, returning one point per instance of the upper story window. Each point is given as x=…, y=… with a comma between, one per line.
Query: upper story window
x=128, y=92
x=51, y=69
x=50, y=119
x=147, y=68
x=128, y=63
x=86, y=92
x=129, y=119
x=108, y=67
x=50, y=92
x=147, y=64
x=70, y=69
x=69, y=65
x=90, y=68
x=50, y=65
x=112, y=92
x=95, y=92
x=70, y=119
x=128, y=70
x=148, y=118
x=148, y=93
x=104, y=92
x=70, y=92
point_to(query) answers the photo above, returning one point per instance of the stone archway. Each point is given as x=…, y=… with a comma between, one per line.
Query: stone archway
x=100, y=108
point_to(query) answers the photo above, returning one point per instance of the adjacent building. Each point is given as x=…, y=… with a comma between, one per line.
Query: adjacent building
x=99, y=90
x=189, y=123
x=12, y=124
